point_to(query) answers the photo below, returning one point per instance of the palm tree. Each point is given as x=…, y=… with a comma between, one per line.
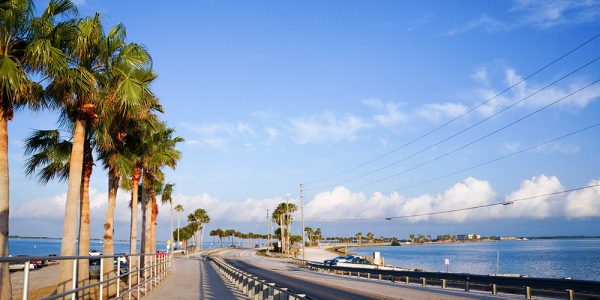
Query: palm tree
x=179, y=210
x=28, y=43
x=50, y=155
x=229, y=233
x=359, y=237
x=370, y=237
x=201, y=217
x=282, y=215
x=166, y=197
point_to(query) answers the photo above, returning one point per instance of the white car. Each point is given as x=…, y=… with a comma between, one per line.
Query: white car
x=95, y=253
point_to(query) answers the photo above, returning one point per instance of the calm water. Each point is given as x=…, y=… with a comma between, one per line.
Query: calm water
x=576, y=258
x=43, y=247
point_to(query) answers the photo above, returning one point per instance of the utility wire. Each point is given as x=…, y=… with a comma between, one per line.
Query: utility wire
x=500, y=158
x=461, y=131
x=480, y=138
x=456, y=118
x=510, y=202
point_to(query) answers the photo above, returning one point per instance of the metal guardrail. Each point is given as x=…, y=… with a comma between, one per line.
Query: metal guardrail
x=157, y=267
x=253, y=286
x=567, y=287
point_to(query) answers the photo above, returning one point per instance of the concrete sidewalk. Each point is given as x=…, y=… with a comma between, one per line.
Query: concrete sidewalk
x=195, y=278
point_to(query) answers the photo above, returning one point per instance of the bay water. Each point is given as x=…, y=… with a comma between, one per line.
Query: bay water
x=551, y=258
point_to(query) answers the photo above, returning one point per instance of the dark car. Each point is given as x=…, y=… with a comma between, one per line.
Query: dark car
x=361, y=261
x=95, y=268
x=339, y=259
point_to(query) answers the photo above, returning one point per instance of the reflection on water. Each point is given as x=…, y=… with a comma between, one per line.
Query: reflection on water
x=576, y=258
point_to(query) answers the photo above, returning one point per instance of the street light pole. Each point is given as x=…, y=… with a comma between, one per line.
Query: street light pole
x=302, y=211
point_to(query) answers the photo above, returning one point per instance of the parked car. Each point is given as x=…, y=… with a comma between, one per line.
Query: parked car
x=360, y=260
x=36, y=263
x=95, y=252
x=122, y=258
x=94, y=268
x=339, y=259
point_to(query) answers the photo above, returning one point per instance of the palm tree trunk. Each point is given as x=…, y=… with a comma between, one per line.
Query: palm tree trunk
x=135, y=178
x=153, y=224
x=144, y=221
x=178, y=219
x=5, y=287
x=67, y=246
x=84, y=221
x=148, y=227
x=201, y=237
x=109, y=230
x=171, y=229
x=84, y=216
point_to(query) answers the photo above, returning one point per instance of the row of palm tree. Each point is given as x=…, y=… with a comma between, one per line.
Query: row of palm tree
x=100, y=86
x=242, y=238
x=313, y=236
x=196, y=222
x=282, y=216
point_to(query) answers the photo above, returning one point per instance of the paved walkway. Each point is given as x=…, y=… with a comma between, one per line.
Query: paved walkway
x=195, y=278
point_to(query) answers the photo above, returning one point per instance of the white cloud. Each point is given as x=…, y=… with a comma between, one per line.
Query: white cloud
x=544, y=14
x=558, y=91
x=389, y=114
x=435, y=112
x=538, y=208
x=342, y=203
x=484, y=23
x=325, y=128
x=221, y=134
x=584, y=203
x=273, y=134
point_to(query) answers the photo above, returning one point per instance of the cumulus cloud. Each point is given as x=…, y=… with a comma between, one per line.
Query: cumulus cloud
x=219, y=135
x=341, y=203
x=584, y=203
x=484, y=23
x=326, y=128
x=388, y=114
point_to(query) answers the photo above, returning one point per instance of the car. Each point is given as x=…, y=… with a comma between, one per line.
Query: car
x=95, y=252
x=122, y=258
x=339, y=259
x=36, y=263
x=94, y=268
x=232, y=246
x=360, y=261
x=257, y=246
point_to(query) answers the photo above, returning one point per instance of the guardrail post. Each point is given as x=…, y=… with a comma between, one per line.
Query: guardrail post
x=494, y=289
x=571, y=294
x=466, y=286
x=283, y=294
x=118, y=277
x=276, y=292
x=368, y=275
x=443, y=283
x=129, y=278
x=380, y=276
x=357, y=274
x=74, y=285
x=138, y=276
x=271, y=287
x=26, y=280
x=423, y=281
x=101, y=278
x=528, y=292
x=407, y=280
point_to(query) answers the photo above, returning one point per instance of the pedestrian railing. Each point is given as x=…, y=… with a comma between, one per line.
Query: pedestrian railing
x=508, y=284
x=141, y=274
x=254, y=287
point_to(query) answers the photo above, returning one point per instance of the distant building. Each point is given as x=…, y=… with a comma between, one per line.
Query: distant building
x=508, y=238
x=468, y=237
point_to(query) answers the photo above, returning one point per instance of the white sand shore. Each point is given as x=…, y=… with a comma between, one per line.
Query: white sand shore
x=318, y=254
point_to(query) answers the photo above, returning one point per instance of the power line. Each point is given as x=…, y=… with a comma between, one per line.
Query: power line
x=500, y=158
x=456, y=118
x=461, y=131
x=464, y=208
x=480, y=138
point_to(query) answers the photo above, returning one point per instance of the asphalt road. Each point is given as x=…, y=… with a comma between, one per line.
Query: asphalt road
x=326, y=286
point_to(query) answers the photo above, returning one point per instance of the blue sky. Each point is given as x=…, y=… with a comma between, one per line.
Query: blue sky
x=271, y=94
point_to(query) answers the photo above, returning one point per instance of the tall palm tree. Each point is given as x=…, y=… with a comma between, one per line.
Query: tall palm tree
x=359, y=237
x=28, y=43
x=50, y=155
x=282, y=215
x=201, y=217
x=166, y=197
x=179, y=210
x=370, y=237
